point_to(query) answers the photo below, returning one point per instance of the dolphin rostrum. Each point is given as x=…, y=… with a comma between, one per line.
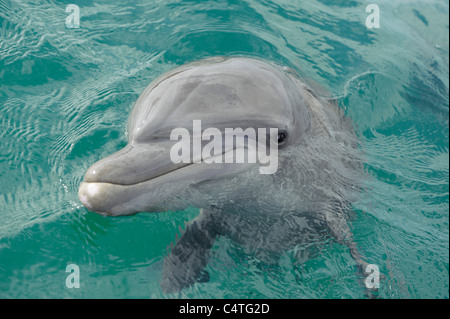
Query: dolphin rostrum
x=318, y=173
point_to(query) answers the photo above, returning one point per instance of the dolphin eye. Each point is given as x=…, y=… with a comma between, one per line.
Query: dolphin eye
x=282, y=137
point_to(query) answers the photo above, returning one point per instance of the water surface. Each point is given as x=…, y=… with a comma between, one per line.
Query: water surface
x=65, y=96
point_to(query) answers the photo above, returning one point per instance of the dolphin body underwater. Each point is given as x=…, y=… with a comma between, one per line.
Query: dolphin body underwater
x=308, y=198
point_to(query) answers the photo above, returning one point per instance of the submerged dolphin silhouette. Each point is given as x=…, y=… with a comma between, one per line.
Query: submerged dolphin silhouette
x=319, y=165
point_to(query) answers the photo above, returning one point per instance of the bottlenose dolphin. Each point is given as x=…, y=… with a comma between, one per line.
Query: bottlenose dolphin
x=319, y=165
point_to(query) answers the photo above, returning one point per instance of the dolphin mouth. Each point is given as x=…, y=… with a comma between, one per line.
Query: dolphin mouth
x=114, y=199
x=127, y=182
x=94, y=195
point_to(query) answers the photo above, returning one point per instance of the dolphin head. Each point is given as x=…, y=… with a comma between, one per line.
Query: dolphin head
x=221, y=93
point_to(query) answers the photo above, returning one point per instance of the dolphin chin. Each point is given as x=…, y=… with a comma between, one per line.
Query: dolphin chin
x=109, y=199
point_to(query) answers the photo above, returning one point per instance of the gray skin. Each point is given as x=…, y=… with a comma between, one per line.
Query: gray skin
x=306, y=200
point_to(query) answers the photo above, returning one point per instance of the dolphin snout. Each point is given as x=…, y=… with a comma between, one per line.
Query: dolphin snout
x=122, y=183
x=123, y=167
x=133, y=164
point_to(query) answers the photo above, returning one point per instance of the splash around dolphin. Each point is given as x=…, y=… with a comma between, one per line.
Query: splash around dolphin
x=318, y=175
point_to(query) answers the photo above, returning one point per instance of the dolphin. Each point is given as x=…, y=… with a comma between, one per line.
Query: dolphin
x=308, y=198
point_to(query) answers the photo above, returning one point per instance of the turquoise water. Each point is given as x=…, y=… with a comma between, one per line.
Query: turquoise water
x=65, y=96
